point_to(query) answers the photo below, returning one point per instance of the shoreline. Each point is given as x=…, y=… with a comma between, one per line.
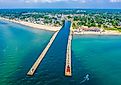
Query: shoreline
x=107, y=32
x=36, y=26
x=98, y=33
x=52, y=28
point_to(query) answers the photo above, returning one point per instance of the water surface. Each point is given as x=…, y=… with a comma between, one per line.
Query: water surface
x=20, y=46
x=98, y=56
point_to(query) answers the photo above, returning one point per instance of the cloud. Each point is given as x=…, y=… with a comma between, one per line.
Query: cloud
x=60, y=4
x=75, y=1
x=52, y=1
x=67, y=1
x=43, y=1
x=115, y=1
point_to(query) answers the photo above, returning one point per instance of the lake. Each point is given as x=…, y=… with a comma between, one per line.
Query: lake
x=20, y=46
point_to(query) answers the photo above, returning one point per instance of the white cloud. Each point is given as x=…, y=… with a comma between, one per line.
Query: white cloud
x=77, y=1
x=51, y=1
x=43, y=1
x=115, y=1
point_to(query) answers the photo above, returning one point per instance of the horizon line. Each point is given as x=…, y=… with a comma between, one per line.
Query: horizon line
x=59, y=8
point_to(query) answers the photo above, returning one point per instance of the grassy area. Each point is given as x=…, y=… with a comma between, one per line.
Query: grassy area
x=114, y=29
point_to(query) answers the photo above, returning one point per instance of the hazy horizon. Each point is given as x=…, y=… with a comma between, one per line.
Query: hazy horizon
x=60, y=4
x=68, y=8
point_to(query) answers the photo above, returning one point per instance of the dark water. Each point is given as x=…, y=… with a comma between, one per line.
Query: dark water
x=20, y=46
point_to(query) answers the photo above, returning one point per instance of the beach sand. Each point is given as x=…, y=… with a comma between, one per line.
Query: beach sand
x=52, y=28
x=107, y=32
x=37, y=26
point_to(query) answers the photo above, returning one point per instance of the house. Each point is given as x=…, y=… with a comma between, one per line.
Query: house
x=94, y=29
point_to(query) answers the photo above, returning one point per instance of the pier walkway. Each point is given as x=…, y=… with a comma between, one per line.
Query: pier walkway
x=38, y=61
x=64, y=35
x=68, y=70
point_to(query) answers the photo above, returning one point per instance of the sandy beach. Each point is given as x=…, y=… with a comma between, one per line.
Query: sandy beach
x=37, y=26
x=98, y=33
x=52, y=28
x=107, y=32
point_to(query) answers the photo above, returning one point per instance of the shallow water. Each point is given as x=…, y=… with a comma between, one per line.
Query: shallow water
x=20, y=46
x=98, y=56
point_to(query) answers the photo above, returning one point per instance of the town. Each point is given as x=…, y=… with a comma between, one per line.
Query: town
x=83, y=19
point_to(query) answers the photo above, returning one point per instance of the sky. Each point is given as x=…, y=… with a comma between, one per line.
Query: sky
x=101, y=4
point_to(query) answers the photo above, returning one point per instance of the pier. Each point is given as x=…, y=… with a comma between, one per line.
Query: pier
x=64, y=33
x=38, y=61
x=68, y=70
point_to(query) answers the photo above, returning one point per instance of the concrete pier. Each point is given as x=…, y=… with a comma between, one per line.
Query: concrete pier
x=38, y=61
x=68, y=70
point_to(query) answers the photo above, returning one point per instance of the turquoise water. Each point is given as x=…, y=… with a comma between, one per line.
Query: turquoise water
x=99, y=56
x=20, y=46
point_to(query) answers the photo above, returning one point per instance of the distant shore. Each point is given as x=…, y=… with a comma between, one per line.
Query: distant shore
x=53, y=28
x=37, y=26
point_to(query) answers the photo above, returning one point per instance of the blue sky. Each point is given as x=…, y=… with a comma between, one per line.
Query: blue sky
x=61, y=4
